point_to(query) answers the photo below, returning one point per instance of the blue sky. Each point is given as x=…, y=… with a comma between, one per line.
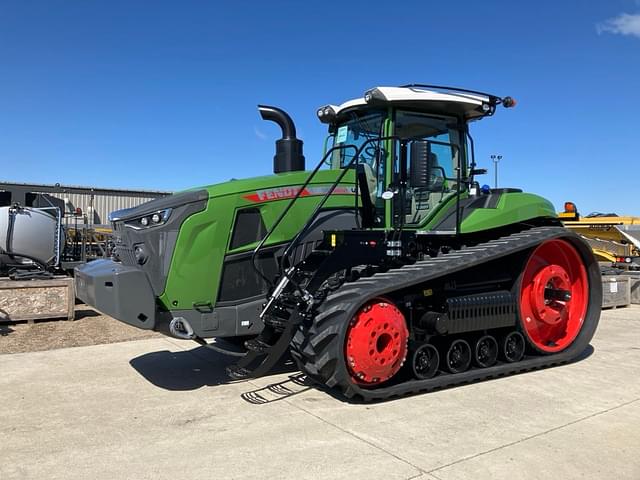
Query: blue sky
x=162, y=95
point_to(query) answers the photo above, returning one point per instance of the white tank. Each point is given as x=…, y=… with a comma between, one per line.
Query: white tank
x=31, y=232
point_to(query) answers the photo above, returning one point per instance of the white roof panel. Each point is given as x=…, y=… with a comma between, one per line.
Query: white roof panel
x=470, y=104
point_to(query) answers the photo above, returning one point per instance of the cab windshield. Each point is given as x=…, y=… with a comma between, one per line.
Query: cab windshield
x=434, y=145
x=361, y=127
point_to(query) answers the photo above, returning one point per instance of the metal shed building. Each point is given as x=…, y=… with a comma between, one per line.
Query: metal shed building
x=96, y=202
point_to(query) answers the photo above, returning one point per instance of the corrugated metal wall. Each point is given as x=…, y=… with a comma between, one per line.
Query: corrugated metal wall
x=103, y=204
x=96, y=203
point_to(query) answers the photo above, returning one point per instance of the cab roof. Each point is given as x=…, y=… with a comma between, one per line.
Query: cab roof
x=469, y=104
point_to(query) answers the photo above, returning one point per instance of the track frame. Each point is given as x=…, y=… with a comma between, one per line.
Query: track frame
x=318, y=343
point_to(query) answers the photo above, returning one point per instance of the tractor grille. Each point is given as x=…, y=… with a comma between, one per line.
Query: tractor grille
x=122, y=252
x=125, y=255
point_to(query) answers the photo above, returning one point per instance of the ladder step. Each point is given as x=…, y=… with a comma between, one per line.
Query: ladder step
x=256, y=345
x=276, y=323
x=262, y=356
x=238, y=373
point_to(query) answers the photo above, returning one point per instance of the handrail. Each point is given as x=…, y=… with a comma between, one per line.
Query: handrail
x=294, y=242
x=380, y=153
x=290, y=204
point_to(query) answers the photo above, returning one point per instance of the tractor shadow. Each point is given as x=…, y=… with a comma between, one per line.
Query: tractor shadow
x=203, y=367
x=296, y=383
x=192, y=369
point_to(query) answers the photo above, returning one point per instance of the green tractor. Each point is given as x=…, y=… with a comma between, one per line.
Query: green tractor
x=387, y=270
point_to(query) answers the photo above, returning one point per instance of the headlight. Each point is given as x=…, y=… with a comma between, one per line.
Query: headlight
x=154, y=219
x=327, y=114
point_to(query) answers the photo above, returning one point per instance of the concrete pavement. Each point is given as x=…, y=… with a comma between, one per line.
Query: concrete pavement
x=159, y=408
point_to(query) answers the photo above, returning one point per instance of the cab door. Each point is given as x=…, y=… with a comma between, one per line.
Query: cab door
x=428, y=157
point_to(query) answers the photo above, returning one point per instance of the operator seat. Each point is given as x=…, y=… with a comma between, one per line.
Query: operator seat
x=372, y=182
x=424, y=198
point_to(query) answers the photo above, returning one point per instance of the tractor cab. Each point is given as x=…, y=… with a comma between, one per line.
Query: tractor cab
x=413, y=147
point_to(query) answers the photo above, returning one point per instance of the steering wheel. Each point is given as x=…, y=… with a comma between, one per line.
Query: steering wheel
x=372, y=151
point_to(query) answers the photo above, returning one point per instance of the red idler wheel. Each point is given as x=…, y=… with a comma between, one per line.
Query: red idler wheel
x=376, y=342
x=553, y=296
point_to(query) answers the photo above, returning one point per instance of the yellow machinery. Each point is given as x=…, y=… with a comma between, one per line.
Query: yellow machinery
x=612, y=238
x=84, y=241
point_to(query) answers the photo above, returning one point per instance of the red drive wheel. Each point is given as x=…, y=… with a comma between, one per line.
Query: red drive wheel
x=553, y=296
x=376, y=342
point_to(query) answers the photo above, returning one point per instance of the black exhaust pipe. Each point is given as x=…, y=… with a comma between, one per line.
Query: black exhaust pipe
x=289, y=157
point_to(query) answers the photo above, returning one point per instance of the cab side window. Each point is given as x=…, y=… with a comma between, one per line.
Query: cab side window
x=434, y=154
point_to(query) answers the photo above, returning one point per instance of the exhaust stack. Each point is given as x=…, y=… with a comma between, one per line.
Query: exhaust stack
x=288, y=157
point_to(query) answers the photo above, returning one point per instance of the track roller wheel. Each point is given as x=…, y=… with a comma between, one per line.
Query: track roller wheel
x=512, y=348
x=425, y=361
x=553, y=296
x=376, y=343
x=486, y=351
x=458, y=356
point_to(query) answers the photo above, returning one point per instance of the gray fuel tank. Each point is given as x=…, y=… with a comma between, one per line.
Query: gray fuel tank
x=29, y=231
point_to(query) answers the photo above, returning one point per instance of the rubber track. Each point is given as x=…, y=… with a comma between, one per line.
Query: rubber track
x=319, y=349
